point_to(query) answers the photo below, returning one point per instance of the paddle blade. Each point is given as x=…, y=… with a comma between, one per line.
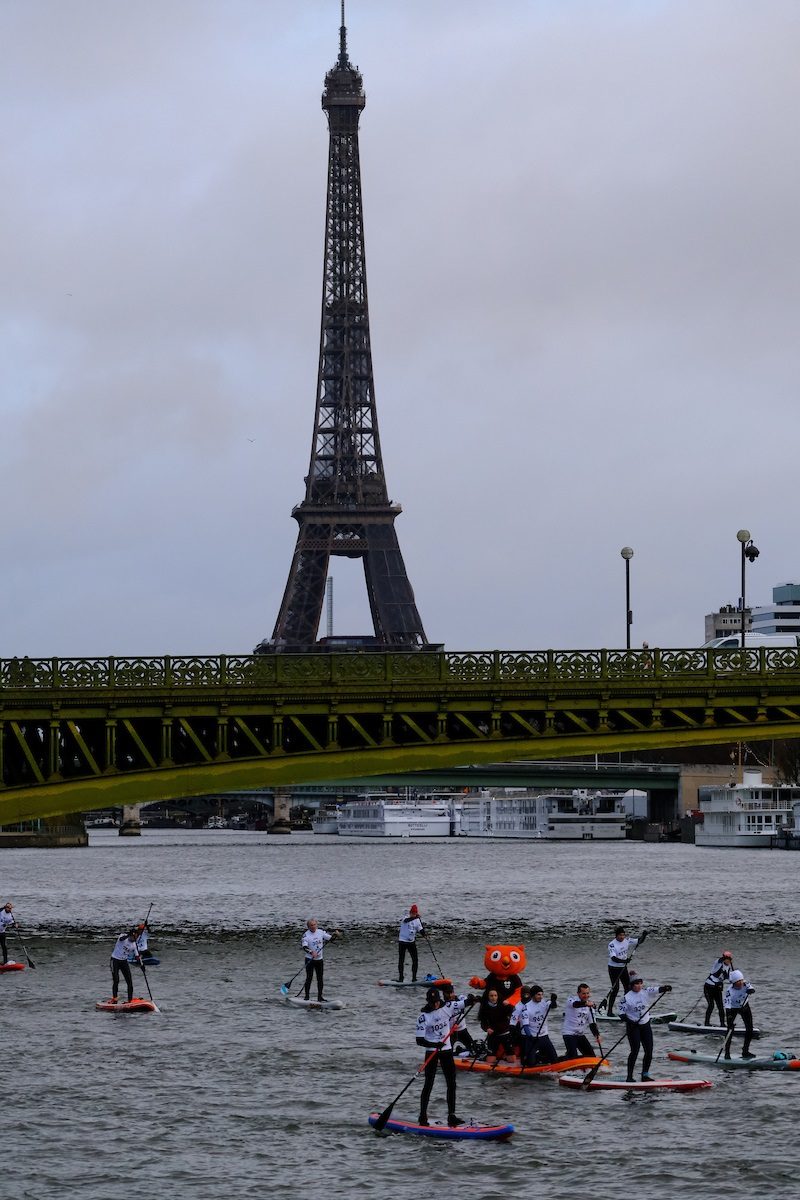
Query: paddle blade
x=383, y=1118
x=31, y=963
x=285, y=989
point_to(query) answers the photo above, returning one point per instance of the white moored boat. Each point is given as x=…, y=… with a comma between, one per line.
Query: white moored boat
x=747, y=815
x=394, y=816
x=325, y=821
x=578, y=815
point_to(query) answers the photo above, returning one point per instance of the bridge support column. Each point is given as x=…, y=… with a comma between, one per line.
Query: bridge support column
x=441, y=726
x=282, y=801
x=277, y=735
x=166, y=741
x=111, y=747
x=131, y=822
x=52, y=751
x=222, y=737
x=388, y=725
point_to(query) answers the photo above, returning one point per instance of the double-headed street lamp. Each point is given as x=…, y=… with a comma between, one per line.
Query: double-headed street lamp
x=627, y=554
x=750, y=552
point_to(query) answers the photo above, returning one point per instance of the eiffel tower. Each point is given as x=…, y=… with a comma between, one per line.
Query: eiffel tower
x=346, y=510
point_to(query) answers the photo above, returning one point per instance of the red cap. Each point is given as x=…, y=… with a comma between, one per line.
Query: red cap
x=413, y=909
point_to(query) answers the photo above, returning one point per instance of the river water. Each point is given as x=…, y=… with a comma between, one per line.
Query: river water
x=231, y=1093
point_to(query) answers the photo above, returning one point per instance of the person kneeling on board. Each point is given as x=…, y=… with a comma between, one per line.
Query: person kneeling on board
x=460, y=1036
x=124, y=946
x=312, y=943
x=718, y=976
x=410, y=926
x=494, y=1016
x=6, y=922
x=633, y=1010
x=578, y=1017
x=537, y=1048
x=434, y=1023
x=737, y=1003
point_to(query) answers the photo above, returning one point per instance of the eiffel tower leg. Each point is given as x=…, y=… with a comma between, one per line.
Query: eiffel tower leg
x=301, y=607
x=391, y=597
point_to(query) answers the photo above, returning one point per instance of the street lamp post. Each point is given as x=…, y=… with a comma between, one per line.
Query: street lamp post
x=627, y=554
x=750, y=553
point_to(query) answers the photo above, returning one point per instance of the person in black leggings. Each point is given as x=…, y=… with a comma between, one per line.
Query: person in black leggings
x=433, y=1033
x=713, y=987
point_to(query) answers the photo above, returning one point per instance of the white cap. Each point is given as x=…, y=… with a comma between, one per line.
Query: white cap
x=736, y=976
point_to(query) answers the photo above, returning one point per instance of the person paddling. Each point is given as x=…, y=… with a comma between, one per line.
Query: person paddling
x=578, y=1017
x=6, y=922
x=459, y=1035
x=433, y=1027
x=410, y=926
x=620, y=951
x=714, y=985
x=312, y=943
x=737, y=1003
x=532, y=1020
x=633, y=1010
x=124, y=946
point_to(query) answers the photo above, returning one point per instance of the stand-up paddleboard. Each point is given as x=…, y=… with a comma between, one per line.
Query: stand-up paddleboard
x=428, y=981
x=136, y=1005
x=709, y=1030
x=641, y=1085
x=147, y=960
x=12, y=966
x=781, y=1060
x=656, y=1019
x=301, y=1003
x=507, y=1071
x=486, y=1133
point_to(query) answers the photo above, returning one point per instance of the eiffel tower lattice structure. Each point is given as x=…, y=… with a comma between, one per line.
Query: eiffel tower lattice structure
x=346, y=510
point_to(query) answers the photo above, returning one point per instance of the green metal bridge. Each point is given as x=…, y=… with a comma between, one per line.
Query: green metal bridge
x=83, y=733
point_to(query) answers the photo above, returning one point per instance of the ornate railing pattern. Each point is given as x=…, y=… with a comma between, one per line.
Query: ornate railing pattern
x=479, y=667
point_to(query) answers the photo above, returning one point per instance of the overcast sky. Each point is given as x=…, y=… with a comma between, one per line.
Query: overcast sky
x=582, y=251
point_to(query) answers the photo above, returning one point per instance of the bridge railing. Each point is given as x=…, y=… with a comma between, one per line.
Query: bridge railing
x=315, y=670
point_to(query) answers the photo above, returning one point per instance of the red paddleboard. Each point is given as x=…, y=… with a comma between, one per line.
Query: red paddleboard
x=136, y=1005
x=647, y=1085
x=12, y=966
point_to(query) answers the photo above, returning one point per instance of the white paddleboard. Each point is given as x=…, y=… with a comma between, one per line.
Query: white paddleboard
x=301, y=1003
x=709, y=1030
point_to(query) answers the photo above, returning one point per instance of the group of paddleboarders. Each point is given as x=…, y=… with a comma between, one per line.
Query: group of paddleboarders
x=6, y=922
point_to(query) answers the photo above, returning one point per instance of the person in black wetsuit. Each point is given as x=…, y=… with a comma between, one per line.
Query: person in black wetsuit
x=718, y=976
x=433, y=1029
x=495, y=1020
x=620, y=952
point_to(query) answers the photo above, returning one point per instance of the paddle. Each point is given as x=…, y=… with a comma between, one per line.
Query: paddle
x=433, y=952
x=691, y=1010
x=31, y=963
x=144, y=927
x=285, y=986
x=144, y=972
x=603, y=1055
x=387, y=1112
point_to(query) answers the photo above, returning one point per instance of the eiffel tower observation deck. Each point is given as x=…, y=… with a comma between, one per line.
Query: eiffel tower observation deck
x=346, y=510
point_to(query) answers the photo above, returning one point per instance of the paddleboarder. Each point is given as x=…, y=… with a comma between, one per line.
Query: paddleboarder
x=620, y=951
x=737, y=1003
x=714, y=985
x=460, y=1035
x=633, y=1009
x=494, y=1016
x=532, y=1022
x=410, y=926
x=578, y=1017
x=6, y=922
x=433, y=1027
x=124, y=946
x=312, y=943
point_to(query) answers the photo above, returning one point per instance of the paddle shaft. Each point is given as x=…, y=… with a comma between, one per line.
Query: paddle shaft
x=694, y=1006
x=387, y=1112
x=433, y=952
x=603, y=1054
x=31, y=963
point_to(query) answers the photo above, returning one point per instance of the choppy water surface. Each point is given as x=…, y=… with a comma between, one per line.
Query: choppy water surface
x=231, y=1093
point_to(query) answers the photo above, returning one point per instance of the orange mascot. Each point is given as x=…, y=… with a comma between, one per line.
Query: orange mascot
x=502, y=964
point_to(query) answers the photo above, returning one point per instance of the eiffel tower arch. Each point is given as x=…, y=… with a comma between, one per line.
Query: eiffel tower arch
x=346, y=510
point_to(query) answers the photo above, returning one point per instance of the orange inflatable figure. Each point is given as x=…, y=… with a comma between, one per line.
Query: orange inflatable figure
x=502, y=964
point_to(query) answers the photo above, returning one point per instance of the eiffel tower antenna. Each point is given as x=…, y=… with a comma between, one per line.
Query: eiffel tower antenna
x=346, y=510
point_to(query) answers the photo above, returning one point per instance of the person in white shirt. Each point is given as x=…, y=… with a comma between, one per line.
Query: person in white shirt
x=713, y=987
x=410, y=926
x=637, y=1000
x=124, y=946
x=578, y=1017
x=620, y=952
x=531, y=1019
x=6, y=922
x=460, y=1036
x=434, y=1025
x=737, y=1003
x=312, y=943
